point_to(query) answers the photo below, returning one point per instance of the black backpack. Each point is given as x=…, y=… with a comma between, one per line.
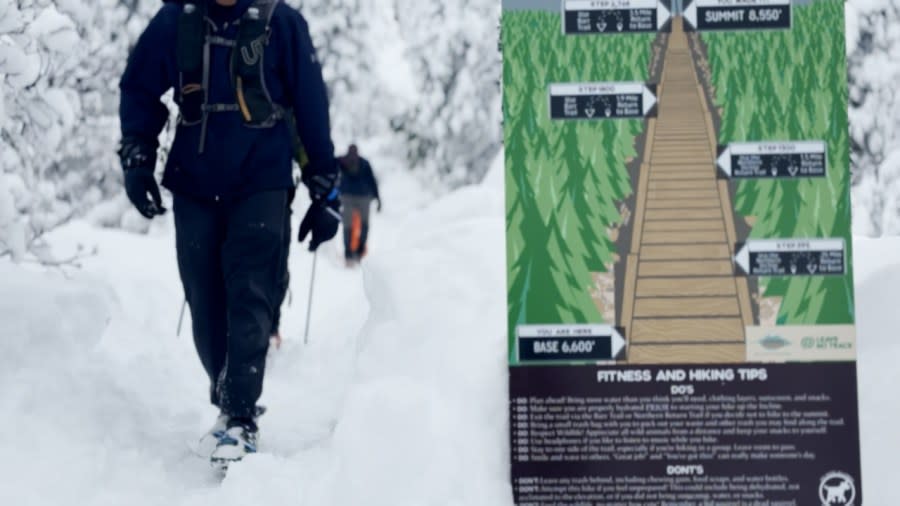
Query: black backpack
x=252, y=99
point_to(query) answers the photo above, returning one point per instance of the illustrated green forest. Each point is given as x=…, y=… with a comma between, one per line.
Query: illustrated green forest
x=792, y=85
x=563, y=182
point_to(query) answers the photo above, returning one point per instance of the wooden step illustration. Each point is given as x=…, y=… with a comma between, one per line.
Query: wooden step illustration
x=682, y=302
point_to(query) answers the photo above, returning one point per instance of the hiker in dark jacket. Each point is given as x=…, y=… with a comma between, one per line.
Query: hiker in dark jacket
x=240, y=69
x=358, y=189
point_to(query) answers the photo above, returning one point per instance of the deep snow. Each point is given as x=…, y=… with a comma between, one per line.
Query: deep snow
x=398, y=400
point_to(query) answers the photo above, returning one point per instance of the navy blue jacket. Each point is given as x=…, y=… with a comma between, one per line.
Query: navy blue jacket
x=358, y=179
x=237, y=159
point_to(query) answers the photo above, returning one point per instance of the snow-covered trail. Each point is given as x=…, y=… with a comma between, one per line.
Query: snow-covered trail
x=398, y=400
x=105, y=398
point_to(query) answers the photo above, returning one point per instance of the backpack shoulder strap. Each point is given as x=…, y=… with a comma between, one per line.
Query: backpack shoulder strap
x=190, y=38
x=248, y=65
x=189, y=55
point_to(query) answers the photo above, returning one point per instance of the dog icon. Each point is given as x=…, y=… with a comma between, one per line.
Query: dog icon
x=837, y=494
x=837, y=489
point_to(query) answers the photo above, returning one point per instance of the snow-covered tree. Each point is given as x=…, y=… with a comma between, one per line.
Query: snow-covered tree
x=424, y=74
x=453, y=126
x=59, y=67
x=874, y=50
x=37, y=112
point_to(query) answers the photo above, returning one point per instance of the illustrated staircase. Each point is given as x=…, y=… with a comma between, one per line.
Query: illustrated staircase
x=682, y=302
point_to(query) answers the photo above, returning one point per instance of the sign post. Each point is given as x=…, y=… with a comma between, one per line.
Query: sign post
x=680, y=287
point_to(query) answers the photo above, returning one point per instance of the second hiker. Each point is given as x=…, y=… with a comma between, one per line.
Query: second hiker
x=358, y=189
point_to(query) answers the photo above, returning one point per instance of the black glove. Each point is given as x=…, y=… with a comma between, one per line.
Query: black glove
x=324, y=214
x=322, y=219
x=379, y=205
x=138, y=160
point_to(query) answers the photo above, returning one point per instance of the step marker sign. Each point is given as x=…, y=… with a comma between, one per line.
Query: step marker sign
x=706, y=15
x=595, y=101
x=569, y=343
x=766, y=160
x=791, y=257
x=614, y=16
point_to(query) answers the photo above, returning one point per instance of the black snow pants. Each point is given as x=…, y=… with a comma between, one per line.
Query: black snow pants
x=231, y=257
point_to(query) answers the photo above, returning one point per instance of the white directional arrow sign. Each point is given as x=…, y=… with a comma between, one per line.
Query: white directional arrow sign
x=618, y=343
x=724, y=161
x=649, y=100
x=690, y=14
x=742, y=258
x=569, y=342
x=663, y=15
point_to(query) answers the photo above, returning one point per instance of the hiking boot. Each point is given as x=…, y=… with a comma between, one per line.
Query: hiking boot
x=238, y=441
x=208, y=442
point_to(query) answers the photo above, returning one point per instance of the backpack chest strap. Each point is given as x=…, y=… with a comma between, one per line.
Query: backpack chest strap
x=215, y=40
x=220, y=108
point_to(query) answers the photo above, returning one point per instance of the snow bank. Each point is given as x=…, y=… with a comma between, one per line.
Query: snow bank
x=45, y=317
x=425, y=421
x=877, y=279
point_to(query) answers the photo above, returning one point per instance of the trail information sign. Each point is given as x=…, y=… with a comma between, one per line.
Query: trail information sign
x=568, y=343
x=602, y=100
x=773, y=159
x=732, y=15
x=614, y=16
x=680, y=290
x=791, y=257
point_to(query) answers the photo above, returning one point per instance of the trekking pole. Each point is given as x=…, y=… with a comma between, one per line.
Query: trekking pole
x=312, y=282
x=181, y=318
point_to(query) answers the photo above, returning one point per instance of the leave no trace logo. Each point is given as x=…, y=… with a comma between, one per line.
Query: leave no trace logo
x=825, y=343
x=837, y=489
